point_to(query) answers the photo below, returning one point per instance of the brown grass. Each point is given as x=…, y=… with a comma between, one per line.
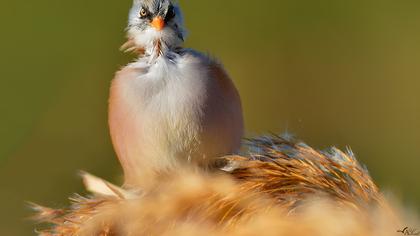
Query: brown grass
x=281, y=188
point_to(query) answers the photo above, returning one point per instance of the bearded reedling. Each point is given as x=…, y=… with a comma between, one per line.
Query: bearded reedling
x=172, y=105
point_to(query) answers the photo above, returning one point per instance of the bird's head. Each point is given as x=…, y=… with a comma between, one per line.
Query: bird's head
x=155, y=26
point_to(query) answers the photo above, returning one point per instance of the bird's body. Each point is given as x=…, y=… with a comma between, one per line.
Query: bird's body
x=170, y=107
x=175, y=108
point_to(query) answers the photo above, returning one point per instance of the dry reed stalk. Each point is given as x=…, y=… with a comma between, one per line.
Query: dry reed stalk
x=282, y=188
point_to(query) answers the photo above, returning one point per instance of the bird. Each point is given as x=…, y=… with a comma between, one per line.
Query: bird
x=172, y=106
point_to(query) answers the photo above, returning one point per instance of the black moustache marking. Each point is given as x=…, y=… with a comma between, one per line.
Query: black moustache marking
x=170, y=14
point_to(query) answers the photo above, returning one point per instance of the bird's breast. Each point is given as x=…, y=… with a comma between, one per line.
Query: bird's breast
x=156, y=111
x=170, y=112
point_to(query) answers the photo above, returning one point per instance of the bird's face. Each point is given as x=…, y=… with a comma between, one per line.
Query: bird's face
x=155, y=21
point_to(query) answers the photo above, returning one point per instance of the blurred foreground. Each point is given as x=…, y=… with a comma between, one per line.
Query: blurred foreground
x=281, y=188
x=332, y=72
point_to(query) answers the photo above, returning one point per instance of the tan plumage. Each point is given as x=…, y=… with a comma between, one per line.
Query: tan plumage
x=130, y=46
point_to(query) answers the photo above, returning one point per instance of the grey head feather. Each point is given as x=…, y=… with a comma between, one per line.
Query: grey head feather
x=153, y=6
x=141, y=31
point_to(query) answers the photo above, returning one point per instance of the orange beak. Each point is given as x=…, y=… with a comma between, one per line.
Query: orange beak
x=158, y=23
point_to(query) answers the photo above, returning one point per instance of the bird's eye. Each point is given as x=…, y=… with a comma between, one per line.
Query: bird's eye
x=170, y=14
x=143, y=12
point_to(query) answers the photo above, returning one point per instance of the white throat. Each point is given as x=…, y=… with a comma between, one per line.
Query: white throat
x=157, y=49
x=156, y=43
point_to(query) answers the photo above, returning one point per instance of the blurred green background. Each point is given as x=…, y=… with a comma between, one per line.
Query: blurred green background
x=331, y=72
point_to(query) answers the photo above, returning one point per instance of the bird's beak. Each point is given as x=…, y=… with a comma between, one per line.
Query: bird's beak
x=158, y=23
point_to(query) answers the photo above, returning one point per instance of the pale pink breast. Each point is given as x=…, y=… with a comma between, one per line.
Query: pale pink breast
x=137, y=132
x=124, y=130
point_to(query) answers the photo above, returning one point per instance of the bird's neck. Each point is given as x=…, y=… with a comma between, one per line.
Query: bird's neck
x=159, y=49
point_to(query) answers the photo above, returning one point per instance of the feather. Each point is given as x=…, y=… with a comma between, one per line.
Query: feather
x=99, y=186
x=130, y=46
